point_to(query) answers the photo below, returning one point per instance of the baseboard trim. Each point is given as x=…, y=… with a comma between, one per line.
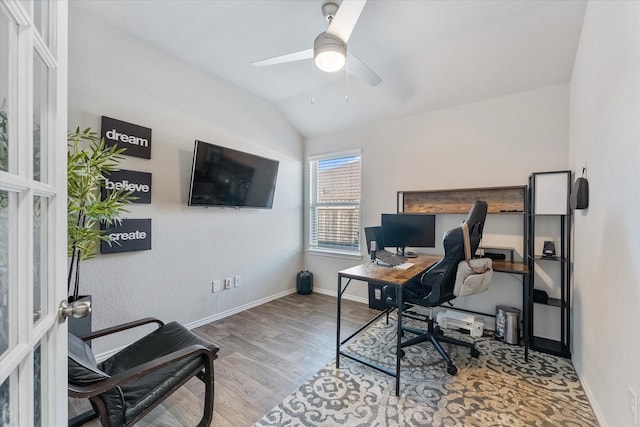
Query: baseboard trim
x=238, y=309
x=103, y=356
x=597, y=411
x=344, y=296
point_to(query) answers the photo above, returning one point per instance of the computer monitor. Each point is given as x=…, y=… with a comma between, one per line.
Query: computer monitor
x=414, y=230
x=374, y=234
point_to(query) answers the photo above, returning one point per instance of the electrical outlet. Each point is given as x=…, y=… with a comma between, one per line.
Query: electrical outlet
x=633, y=405
x=237, y=281
x=227, y=283
x=216, y=286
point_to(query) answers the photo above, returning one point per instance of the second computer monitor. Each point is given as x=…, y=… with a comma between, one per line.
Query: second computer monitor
x=413, y=230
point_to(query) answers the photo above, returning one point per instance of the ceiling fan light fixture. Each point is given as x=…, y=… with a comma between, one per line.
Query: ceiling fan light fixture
x=329, y=52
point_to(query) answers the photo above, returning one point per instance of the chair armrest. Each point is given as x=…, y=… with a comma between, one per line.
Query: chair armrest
x=120, y=328
x=139, y=371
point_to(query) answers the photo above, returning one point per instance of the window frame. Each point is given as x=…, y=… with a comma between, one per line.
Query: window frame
x=313, y=204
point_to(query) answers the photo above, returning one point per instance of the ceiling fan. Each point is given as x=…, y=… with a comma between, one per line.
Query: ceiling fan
x=329, y=50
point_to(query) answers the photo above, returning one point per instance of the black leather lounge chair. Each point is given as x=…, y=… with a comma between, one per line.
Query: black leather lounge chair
x=128, y=385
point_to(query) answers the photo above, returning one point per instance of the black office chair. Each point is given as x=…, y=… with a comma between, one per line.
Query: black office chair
x=436, y=285
x=129, y=384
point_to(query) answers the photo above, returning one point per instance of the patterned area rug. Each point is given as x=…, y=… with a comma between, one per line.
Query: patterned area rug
x=497, y=389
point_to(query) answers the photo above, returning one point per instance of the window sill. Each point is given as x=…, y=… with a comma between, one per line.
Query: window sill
x=334, y=254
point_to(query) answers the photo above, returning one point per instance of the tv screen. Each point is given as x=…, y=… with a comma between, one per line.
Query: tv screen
x=221, y=176
x=413, y=230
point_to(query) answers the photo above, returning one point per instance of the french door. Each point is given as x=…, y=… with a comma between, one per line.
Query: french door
x=33, y=105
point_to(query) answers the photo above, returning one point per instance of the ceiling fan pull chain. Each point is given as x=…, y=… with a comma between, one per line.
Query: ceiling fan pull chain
x=313, y=84
x=346, y=81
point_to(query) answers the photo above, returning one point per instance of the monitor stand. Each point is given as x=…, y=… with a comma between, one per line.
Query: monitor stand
x=406, y=254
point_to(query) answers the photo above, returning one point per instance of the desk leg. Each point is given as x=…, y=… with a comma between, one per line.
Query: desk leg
x=399, y=337
x=527, y=308
x=338, y=322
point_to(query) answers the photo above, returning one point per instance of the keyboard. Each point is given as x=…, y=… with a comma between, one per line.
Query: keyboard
x=390, y=259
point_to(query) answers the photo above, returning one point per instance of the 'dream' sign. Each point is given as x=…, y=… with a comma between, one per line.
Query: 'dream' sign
x=130, y=235
x=138, y=183
x=136, y=139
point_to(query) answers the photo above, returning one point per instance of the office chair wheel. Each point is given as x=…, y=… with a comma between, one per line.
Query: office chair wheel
x=452, y=370
x=475, y=353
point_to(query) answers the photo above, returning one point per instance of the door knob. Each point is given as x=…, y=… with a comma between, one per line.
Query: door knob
x=77, y=309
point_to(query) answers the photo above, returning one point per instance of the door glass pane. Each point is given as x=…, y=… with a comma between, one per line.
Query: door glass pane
x=4, y=271
x=39, y=255
x=5, y=403
x=8, y=46
x=40, y=110
x=41, y=18
x=37, y=386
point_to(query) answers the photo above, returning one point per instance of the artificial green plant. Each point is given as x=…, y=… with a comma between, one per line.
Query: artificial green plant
x=88, y=161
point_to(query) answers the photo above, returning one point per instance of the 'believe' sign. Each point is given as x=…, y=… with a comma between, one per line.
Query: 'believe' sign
x=138, y=183
x=131, y=235
x=136, y=139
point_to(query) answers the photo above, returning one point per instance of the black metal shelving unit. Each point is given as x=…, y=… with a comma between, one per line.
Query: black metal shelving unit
x=549, y=197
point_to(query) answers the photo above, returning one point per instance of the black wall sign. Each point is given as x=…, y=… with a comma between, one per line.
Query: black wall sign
x=139, y=183
x=132, y=235
x=136, y=139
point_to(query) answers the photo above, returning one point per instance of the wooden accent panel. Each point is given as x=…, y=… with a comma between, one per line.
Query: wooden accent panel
x=499, y=199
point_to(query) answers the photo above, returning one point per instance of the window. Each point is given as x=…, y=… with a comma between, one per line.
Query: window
x=334, y=208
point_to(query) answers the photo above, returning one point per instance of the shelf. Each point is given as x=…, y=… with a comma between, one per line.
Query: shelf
x=554, y=302
x=546, y=345
x=549, y=197
x=500, y=200
x=550, y=258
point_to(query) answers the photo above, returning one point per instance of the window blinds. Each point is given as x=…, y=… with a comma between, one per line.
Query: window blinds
x=335, y=203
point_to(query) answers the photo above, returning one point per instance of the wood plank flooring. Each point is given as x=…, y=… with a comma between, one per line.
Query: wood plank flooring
x=266, y=353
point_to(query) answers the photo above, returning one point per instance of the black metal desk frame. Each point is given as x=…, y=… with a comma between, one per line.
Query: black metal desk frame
x=386, y=276
x=397, y=279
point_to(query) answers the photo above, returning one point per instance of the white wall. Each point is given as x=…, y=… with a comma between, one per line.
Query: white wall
x=493, y=143
x=115, y=75
x=605, y=136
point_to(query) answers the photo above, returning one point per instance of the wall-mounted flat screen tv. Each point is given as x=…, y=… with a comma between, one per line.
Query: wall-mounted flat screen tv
x=221, y=176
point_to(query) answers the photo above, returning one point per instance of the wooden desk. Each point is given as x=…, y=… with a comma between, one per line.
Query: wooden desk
x=371, y=273
x=384, y=276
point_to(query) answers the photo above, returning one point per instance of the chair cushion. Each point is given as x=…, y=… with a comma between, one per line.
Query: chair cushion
x=142, y=393
x=83, y=369
x=473, y=277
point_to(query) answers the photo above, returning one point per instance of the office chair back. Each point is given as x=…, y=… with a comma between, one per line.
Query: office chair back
x=439, y=280
x=475, y=222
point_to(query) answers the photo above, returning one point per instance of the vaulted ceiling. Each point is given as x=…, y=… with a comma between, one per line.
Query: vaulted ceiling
x=430, y=54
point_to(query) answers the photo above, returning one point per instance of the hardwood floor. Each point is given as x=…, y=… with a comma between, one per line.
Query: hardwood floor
x=266, y=353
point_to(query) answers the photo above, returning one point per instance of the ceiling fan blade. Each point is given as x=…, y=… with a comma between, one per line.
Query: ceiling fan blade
x=358, y=69
x=289, y=57
x=345, y=20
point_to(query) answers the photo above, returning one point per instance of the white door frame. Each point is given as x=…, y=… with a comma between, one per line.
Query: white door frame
x=41, y=33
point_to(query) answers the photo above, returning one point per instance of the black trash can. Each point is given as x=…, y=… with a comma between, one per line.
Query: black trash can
x=304, y=282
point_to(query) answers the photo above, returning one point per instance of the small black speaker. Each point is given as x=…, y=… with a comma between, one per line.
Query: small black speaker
x=549, y=249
